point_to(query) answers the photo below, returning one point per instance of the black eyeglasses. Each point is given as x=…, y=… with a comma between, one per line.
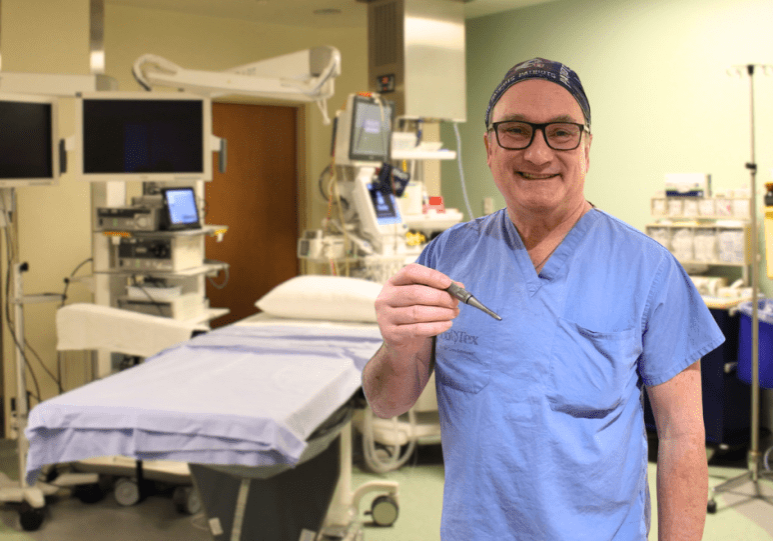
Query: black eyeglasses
x=518, y=135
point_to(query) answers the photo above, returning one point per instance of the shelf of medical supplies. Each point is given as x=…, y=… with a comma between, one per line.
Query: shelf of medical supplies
x=701, y=218
x=210, y=266
x=423, y=154
x=690, y=262
x=700, y=208
x=212, y=230
x=719, y=226
x=694, y=224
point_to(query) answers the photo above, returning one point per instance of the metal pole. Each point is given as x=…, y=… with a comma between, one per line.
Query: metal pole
x=97, y=36
x=754, y=458
x=21, y=380
x=1, y=34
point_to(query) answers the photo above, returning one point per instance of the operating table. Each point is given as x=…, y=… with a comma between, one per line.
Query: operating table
x=254, y=401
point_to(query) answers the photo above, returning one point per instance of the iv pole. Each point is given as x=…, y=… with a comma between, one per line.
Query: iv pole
x=754, y=475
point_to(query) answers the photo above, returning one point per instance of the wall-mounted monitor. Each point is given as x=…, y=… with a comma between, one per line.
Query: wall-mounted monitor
x=363, y=131
x=29, y=146
x=144, y=136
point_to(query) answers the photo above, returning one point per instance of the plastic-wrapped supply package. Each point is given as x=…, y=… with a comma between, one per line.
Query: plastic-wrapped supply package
x=682, y=245
x=660, y=234
x=731, y=246
x=707, y=208
x=705, y=245
x=690, y=208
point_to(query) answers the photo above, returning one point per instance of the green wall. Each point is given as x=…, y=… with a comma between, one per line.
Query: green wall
x=656, y=76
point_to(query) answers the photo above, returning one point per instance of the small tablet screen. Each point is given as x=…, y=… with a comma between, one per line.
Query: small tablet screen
x=181, y=207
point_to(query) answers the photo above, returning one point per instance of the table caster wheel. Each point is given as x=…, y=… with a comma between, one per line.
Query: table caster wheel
x=384, y=511
x=711, y=507
x=31, y=518
x=186, y=500
x=126, y=492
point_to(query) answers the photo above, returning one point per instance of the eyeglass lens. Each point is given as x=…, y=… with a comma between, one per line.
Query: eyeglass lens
x=519, y=135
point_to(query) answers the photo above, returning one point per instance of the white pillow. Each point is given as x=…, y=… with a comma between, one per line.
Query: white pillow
x=335, y=298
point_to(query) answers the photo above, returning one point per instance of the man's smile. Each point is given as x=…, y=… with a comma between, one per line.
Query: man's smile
x=534, y=176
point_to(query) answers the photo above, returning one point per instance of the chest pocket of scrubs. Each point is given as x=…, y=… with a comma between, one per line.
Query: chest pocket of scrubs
x=463, y=360
x=590, y=370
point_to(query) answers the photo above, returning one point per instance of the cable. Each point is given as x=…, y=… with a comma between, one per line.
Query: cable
x=45, y=368
x=11, y=257
x=334, y=198
x=322, y=105
x=225, y=283
x=72, y=275
x=395, y=461
x=326, y=171
x=153, y=301
x=12, y=330
x=461, y=171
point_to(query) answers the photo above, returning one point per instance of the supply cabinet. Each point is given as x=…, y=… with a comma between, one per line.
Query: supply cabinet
x=704, y=231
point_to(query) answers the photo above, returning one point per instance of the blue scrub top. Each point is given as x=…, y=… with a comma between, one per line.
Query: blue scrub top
x=541, y=414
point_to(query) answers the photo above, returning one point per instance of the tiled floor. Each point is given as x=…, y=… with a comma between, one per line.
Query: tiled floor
x=741, y=515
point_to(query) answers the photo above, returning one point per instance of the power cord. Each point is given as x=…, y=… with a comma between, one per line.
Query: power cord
x=225, y=282
x=67, y=280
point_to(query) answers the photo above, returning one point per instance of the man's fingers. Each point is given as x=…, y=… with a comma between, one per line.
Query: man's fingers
x=415, y=295
x=413, y=331
x=408, y=315
x=419, y=274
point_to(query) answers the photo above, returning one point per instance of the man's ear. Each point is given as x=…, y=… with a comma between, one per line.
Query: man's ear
x=587, y=152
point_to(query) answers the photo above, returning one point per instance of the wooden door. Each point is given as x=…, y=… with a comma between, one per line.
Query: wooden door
x=257, y=198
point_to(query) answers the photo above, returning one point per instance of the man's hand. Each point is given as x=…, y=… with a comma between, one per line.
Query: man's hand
x=411, y=309
x=414, y=306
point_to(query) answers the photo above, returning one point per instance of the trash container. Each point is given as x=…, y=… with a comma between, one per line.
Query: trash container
x=765, y=315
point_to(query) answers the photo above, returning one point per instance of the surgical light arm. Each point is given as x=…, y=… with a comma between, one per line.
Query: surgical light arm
x=304, y=76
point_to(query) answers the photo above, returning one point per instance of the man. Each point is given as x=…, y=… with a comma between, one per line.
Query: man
x=541, y=413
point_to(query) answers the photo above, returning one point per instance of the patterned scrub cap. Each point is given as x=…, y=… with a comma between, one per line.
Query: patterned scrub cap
x=539, y=68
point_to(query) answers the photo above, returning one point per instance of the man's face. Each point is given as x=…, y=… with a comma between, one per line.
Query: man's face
x=538, y=178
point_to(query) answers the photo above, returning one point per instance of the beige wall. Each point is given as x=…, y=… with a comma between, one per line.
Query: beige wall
x=52, y=36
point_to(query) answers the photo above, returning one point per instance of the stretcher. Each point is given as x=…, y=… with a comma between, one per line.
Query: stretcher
x=254, y=400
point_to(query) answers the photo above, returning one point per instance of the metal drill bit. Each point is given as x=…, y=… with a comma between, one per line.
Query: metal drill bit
x=467, y=298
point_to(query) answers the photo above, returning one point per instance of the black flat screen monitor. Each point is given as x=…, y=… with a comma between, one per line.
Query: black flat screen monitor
x=28, y=150
x=145, y=138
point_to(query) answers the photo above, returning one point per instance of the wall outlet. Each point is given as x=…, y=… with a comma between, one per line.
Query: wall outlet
x=488, y=205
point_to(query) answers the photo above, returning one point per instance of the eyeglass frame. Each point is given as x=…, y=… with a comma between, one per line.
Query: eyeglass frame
x=539, y=127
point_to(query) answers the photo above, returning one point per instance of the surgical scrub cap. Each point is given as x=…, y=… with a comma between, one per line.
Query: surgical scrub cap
x=539, y=68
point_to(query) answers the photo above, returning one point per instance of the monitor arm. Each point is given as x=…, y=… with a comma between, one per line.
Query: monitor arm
x=303, y=76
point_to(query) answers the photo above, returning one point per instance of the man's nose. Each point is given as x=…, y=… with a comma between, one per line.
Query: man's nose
x=538, y=152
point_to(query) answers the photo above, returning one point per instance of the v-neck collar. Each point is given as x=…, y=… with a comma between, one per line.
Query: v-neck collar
x=556, y=261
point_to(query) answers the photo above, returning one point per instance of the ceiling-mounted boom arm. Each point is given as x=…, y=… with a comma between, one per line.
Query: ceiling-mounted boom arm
x=303, y=76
